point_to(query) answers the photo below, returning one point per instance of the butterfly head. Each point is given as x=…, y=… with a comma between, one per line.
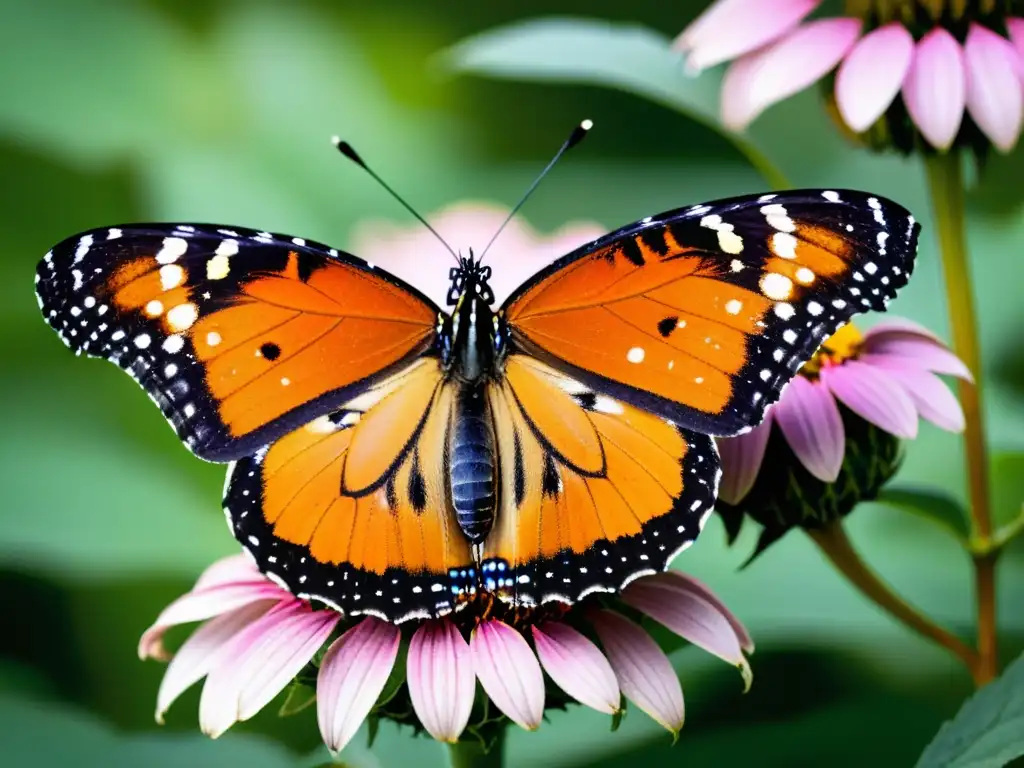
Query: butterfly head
x=470, y=278
x=473, y=339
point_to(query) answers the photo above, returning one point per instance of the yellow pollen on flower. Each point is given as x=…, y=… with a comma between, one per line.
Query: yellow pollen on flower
x=842, y=345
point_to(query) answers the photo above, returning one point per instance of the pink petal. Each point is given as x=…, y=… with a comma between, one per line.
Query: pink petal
x=761, y=79
x=577, y=666
x=873, y=395
x=441, y=680
x=1015, y=28
x=642, y=668
x=924, y=353
x=899, y=326
x=202, y=604
x=934, y=400
x=259, y=662
x=509, y=672
x=731, y=28
x=412, y=253
x=741, y=461
x=935, y=88
x=872, y=74
x=808, y=416
x=994, y=96
x=685, y=611
x=354, y=671
x=227, y=570
x=202, y=651
x=697, y=586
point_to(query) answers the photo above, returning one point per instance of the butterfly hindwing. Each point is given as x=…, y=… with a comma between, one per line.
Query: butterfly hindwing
x=593, y=494
x=386, y=547
x=239, y=336
x=704, y=314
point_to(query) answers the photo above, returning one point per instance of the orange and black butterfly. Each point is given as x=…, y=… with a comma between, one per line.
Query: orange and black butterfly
x=389, y=457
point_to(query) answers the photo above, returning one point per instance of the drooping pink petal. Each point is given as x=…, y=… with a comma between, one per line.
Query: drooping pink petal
x=994, y=96
x=259, y=661
x=741, y=461
x=934, y=401
x=674, y=604
x=353, y=673
x=202, y=604
x=686, y=581
x=643, y=670
x=760, y=79
x=931, y=355
x=873, y=395
x=808, y=416
x=935, y=87
x=442, y=683
x=872, y=74
x=201, y=652
x=577, y=666
x=731, y=28
x=509, y=672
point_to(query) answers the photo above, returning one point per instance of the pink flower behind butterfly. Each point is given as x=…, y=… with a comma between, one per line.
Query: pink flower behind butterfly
x=938, y=73
x=410, y=251
x=255, y=638
x=886, y=377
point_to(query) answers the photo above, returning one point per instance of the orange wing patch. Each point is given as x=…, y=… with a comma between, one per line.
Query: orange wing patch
x=703, y=315
x=561, y=532
x=299, y=519
x=239, y=336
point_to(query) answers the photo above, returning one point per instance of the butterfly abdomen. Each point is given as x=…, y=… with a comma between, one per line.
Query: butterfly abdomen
x=472, y=473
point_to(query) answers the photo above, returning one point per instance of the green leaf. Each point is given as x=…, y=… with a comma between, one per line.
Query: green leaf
x=299, y=697
x=38, y=733
x=988, y=731
x=628, y=57
x=1007, y=469
x=933, y=505
x=619, y=715
x=114, y=509
x=372, y=729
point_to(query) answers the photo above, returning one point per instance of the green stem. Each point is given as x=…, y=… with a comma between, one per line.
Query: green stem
x=471, y=754
x=945, y=182
x=837, y=547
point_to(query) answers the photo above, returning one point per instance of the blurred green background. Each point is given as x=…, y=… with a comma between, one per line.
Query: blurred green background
x=221, y=111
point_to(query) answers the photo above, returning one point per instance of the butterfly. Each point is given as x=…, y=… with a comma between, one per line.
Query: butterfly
x=394, y=458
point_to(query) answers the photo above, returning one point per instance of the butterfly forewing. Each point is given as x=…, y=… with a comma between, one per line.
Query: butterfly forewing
x=239, y=336
x=704, y=314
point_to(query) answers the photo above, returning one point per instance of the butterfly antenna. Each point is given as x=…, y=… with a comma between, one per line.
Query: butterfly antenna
x=574, y=138
x=346, y=149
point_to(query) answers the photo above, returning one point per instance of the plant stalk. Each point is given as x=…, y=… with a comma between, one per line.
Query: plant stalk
x=945, y=182
x=471, y=753
x=837, y=547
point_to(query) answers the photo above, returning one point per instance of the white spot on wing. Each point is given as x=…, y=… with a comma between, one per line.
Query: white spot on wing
x=171, y=276
x=173, y=344
x=173, y=248
x=636, y=355
x=784, y=245
x=182, y=316
x=776, y=286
